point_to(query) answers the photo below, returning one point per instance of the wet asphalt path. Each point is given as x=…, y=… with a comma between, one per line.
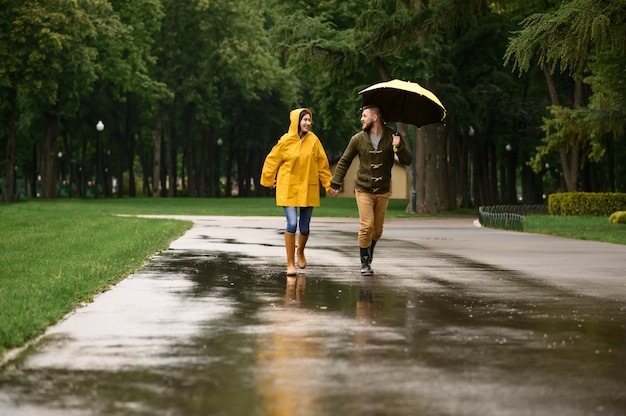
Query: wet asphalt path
x=458, y=320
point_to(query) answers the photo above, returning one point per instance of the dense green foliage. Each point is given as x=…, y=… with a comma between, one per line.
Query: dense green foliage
x=618, y=217
x=584, y=38
x=193, y=94
x=586, y=203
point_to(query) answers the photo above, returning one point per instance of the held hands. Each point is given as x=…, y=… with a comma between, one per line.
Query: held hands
x=334, y=192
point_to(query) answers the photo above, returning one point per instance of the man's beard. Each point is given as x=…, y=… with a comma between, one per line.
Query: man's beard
x=367, y=127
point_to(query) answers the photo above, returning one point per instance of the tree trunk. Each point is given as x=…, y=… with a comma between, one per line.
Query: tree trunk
x=49, y=158
x=146, y=164
x=33, y=170
x=106, y=165
x=171, y=164
x=420, y=172
x=190, y=153
x=163, y=173
x=431, y=158
x=493, y=173
x=531, y=184
x=510, y=175
x=68, y=155
x=430, y=177
x=158, y=138
x=121, y=150
x=214, y=166
x=246, y=174
x=229, y=163
x=382, y=69
x=463, y=178
x=453, y=167
x=133, y=139
x=547, y=73
x=10, y=149
x=444, y=194
x=502, y=189
x=570, y=168
x=125, y=147
x=610, y=153
x=203, y=170
x=480, y=173
x=82, y=169
x=241, y=178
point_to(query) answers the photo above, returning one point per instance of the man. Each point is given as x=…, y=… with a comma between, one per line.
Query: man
x=376, y=145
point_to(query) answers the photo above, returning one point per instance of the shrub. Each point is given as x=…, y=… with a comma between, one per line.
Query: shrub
x=618, y=217
x=586, y=203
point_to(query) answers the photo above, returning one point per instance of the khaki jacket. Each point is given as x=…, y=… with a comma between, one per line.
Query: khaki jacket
x=297, y=166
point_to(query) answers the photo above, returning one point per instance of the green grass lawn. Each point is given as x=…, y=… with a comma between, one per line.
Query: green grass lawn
x=255, y=206
x=330, y=207
x=577, y=227
x=57, y=254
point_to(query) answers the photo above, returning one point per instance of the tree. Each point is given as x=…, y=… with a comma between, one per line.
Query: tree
x=434, y=43
x=57, y=64
x=216, y=58
x=173, y=80
x=569, y=38
x=10, y=69
x=59, y=50
x=126, y=64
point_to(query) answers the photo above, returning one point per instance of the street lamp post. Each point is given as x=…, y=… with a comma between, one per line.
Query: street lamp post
x=100, y=128
x=60, y=167
x=218, y=191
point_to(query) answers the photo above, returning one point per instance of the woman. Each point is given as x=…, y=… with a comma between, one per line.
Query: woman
x=295, y=166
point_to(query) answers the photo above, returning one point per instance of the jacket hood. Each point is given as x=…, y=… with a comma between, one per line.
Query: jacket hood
x=294, y=117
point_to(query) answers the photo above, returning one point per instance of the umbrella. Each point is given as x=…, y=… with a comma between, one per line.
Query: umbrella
x=404, y=102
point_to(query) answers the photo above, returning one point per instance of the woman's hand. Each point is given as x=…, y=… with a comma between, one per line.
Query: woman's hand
x=334, y=192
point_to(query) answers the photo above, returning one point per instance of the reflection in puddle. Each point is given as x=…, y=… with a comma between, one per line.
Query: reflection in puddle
x=244, y=340
x=294, y=290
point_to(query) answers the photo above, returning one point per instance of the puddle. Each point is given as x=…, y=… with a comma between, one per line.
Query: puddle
x=214, y=335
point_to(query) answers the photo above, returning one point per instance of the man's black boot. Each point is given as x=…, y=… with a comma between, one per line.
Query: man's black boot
x=366, y=270
x=372, y=251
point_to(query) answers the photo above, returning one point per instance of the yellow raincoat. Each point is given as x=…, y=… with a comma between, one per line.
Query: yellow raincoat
x=297, y=165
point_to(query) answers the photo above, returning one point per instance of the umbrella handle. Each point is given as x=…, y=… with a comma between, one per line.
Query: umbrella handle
x=395, y=148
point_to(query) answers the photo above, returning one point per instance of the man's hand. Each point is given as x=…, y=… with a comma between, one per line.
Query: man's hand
x=395, y=141
x=334, y=192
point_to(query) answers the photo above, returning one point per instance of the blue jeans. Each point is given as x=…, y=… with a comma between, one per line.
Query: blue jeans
x=292, y=219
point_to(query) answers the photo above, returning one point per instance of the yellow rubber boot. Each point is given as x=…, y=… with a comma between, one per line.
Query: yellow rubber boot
x=302, y=239
x=290, y=247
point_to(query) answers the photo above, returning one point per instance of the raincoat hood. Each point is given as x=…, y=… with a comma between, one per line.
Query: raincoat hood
x=294, y=117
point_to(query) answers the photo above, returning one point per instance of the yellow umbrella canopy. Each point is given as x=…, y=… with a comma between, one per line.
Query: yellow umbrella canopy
x=404, y=102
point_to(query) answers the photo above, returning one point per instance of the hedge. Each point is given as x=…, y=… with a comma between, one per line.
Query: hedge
x=601, y=204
